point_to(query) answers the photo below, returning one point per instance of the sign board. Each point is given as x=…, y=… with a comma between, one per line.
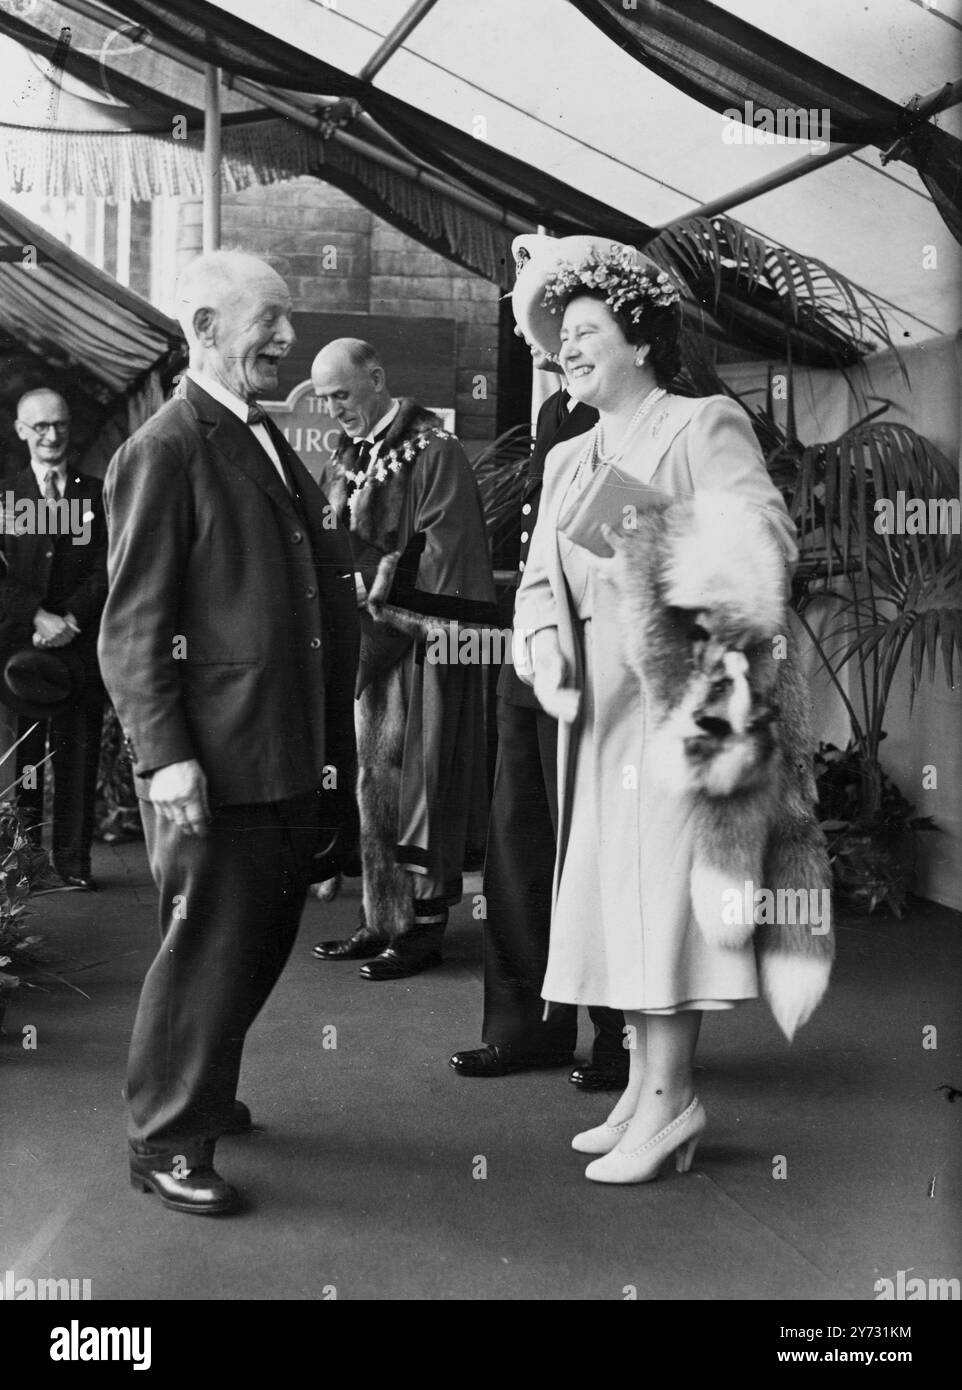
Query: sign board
x=418, y=355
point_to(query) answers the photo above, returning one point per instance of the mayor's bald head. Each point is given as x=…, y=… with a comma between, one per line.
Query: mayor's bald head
x=235, y=311
x=348, y=376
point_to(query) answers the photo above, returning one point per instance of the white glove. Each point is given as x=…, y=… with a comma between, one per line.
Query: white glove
x=550, y=673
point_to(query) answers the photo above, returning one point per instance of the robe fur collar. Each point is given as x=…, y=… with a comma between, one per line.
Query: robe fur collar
x=374, y=511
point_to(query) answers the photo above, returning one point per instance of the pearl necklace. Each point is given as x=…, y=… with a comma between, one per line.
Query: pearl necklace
x=592, y=456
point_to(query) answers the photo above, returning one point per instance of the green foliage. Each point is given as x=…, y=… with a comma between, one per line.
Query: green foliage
x=872, y=852
x=22, y=866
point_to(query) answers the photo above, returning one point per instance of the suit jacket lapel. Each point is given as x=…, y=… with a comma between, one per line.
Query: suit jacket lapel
x=234, y=441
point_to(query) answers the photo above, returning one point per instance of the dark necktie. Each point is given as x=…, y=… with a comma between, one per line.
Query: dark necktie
x=50, y=490
x=256, y=416
x=362, y=454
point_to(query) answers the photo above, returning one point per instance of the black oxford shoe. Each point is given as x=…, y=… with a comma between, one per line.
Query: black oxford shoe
x=496, y=1060
x=600, y=1076
x=82, y=881
x=396, y=963
x=200, y=1192
x=361, y=946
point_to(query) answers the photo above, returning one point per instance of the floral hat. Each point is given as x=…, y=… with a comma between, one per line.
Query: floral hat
x=549, y=269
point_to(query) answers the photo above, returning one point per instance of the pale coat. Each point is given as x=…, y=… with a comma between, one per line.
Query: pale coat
x=642, y=837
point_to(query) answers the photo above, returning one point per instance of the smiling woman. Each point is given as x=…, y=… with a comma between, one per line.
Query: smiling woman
x=635, y=919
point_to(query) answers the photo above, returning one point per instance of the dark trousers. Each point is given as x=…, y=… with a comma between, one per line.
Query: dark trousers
x=230, y=906
x=74, y=739
x=518, y=869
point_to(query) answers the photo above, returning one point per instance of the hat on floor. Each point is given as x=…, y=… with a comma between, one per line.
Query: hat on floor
x=39, y=683
x=552, y=265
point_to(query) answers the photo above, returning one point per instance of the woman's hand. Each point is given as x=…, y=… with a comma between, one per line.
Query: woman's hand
x=550, y=674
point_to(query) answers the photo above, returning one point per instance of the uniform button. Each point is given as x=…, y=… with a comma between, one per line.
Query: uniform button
x=296, y=537
x=315, y=643
x=524, y=537
x=526, y=509
x=520, y=564
x=48, y=554
x=311, y=593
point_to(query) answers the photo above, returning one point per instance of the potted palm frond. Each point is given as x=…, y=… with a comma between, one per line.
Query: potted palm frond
x=895, y=596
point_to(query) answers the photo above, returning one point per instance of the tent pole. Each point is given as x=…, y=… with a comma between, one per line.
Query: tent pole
x=922, y=107
x=392, y=41
x=211, y=234
x=796, y=170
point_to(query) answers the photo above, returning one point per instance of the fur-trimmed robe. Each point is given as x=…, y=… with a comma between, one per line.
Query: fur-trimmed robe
x=419, y=542
x=707, y=629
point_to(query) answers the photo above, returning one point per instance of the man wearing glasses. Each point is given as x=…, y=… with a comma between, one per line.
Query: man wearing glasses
x=53, y=584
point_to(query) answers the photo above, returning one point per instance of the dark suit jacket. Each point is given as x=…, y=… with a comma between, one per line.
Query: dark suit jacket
x=555, y=423
x=230, y=633
x=50, y=571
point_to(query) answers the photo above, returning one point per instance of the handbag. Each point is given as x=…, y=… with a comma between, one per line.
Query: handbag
x=613, y=498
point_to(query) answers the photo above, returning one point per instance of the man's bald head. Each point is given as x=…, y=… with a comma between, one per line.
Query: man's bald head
x=43, y=423
x=348, y=376
x=235, y=311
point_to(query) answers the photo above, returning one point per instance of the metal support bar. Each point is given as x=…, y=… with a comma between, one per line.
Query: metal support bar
x=941, y=99
x=211, y=234
x=797, y=170
x=392, y=41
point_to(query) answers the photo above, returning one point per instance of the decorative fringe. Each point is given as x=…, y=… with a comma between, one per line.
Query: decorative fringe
x=475, y=240
x=127, y=164
x=117, y=165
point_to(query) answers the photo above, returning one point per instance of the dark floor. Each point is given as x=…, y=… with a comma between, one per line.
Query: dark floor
x=365, y=1180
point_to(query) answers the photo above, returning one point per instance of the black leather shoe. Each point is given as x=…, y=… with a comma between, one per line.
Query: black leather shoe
x=240, y=1121
x=200, y=1192
x=496, y=1060
x=600, y=1076
x=397, y=962
x=84, y=881
x=361, y=946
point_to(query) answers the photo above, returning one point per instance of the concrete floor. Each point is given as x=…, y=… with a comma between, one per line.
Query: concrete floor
x=364, y=1178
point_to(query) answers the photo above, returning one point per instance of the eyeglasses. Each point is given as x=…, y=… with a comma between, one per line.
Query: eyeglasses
x=45, y=426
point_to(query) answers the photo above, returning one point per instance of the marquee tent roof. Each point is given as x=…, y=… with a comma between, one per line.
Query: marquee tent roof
x=64, y=310
x=535, y=113
x=66, y=324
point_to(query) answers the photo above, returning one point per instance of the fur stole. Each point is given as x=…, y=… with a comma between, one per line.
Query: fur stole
x=703, y=604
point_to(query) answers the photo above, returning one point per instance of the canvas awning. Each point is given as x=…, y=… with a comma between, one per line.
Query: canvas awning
x=494, y=117
x=67, y=324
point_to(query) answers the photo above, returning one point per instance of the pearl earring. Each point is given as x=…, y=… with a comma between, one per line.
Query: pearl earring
x=640, y=358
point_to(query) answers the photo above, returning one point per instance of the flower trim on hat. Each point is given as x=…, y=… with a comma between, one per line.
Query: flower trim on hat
x=626, y=284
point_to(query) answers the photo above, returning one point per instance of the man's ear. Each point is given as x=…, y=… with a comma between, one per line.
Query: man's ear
x=21, y=429
x=204, y=322
x=378, y=379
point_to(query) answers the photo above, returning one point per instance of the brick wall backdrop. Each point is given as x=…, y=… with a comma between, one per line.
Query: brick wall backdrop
x=377, y=271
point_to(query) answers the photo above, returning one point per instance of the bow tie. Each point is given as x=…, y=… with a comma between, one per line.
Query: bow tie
x=256, y=416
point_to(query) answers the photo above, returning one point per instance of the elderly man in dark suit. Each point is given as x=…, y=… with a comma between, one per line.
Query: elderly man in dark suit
x=229, y=644
x=53, y=582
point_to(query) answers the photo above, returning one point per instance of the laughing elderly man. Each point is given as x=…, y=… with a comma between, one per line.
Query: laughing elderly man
x=229, y=646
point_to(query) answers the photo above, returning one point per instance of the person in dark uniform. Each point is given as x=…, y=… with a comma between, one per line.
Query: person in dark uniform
x=519, y=863
x=53, y=583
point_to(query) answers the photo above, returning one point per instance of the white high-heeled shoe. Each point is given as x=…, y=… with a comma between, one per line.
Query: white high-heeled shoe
x=600, y=1140
x=681, y=1138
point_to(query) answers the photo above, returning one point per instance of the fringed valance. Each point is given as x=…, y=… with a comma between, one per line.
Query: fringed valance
x=117, y=165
